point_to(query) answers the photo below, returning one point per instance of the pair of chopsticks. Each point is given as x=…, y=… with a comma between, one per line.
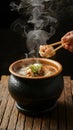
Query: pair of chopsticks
x=57, y=43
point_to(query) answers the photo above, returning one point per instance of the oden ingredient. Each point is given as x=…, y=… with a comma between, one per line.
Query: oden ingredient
x=46, y=51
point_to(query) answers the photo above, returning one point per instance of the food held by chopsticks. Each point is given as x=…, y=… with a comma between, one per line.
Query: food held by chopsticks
x=46, y=51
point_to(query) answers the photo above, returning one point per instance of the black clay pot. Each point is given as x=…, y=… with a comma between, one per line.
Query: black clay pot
x=35, y=95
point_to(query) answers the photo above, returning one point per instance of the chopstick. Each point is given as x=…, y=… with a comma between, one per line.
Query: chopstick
x=53, y=50
x=59, y=47
x=56, y=43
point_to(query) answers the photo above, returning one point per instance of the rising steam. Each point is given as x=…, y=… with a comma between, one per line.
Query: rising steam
x=38, y=13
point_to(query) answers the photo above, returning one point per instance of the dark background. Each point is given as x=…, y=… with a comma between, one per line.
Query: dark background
x=12, y=45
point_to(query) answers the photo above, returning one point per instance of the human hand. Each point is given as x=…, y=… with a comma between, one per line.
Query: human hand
x=68, y=38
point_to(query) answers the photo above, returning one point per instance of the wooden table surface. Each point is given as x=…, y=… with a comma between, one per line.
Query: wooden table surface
x=61, y=118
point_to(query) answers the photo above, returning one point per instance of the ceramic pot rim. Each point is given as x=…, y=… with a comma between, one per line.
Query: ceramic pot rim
x=53, y=62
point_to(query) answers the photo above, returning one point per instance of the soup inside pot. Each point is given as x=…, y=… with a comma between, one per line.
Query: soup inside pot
x=37, y=69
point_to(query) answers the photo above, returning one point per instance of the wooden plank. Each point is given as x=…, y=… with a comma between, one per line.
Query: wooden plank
x=62, y=112
x=3, y=104
x=45, y=123
x=1, y=92
x=7, y=113
x=20, y=122
x=13, y=119
x=69, y=103
x=37, y=124
x=28, y=123
x=54, y=119
x=4, y=80
x=3, y=86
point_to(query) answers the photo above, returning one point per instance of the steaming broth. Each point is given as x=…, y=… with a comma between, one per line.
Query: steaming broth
x=37, y=69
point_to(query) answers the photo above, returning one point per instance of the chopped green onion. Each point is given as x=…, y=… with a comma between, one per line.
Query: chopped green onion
x=35, y=68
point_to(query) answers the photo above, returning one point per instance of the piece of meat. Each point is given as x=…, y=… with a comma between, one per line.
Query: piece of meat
x=46, y=51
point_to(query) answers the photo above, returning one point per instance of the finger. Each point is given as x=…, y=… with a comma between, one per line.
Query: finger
x=70, y=48
x=64, y=39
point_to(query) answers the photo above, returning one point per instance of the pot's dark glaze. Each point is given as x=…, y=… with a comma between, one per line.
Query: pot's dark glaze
x=35, y=95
